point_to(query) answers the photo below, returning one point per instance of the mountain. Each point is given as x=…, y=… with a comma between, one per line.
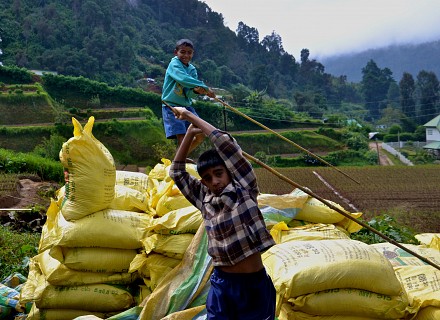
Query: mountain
x=398, y=58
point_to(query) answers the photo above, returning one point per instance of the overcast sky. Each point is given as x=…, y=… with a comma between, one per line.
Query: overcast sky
x=332, y=27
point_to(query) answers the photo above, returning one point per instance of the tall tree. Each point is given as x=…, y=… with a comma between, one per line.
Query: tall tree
x=247, y=36
x=375, y=84
x=407, y=89
x=273, y=43
x=428, y=86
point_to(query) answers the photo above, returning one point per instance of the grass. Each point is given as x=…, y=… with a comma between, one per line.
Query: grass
x=15, y=250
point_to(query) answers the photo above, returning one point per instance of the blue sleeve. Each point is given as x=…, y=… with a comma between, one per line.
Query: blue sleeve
x=179, y=74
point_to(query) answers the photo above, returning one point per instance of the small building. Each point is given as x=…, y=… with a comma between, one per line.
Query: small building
x=433, y=136
x=41, y=72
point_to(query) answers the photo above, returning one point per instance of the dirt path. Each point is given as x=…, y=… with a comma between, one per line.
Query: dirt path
x=30, y=192
x=384, y=160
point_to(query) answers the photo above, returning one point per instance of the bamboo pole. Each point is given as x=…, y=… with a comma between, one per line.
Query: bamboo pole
x=284, y=138
x=327, y=203
x=345, y=214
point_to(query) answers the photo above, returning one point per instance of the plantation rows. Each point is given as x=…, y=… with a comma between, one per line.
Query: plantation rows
x=398, y=190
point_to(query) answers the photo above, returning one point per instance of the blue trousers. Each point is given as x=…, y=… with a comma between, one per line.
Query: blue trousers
x=241, y=296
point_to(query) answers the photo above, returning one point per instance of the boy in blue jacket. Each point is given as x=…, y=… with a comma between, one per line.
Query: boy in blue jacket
x=180, y=85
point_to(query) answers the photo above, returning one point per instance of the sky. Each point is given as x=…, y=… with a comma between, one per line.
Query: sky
x=334, y=27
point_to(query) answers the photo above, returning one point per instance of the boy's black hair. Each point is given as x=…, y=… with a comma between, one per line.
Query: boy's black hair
x=209, y=159
x=184, y=42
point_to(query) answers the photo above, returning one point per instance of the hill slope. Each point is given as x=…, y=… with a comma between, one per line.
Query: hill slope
x=398, y=58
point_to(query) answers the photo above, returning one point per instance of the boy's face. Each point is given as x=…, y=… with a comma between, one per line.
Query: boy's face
x=216, y=179
x=184, y=53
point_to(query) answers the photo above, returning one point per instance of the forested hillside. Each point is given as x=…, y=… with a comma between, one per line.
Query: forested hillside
x=398, y=58
x=130, y=42
x=120, y=42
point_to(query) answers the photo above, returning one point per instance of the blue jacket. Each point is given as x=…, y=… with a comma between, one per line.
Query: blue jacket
x=179, y=82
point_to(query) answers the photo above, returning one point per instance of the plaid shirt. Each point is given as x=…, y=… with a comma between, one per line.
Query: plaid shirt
x=233, y=221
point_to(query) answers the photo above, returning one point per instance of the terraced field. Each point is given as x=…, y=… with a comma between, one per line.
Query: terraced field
x=410, y=194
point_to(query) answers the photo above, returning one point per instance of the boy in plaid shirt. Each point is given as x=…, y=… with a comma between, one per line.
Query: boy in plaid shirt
x=227, y=197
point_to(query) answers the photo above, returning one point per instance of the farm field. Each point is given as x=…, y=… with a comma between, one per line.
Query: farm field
x=409, y=194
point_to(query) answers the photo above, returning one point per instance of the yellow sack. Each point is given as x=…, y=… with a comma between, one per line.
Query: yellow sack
x=97, y=259
x=350, y=225
x=431, y=240
x=159, y=189
x=400, y=257
x=157, y=273
x=172, y=199
x=316, y=211
x=107, y=229
x=282, y=233
x=58, y=274
x=159, y=171
x=184, y=220
x=93, y=297
x=428, y=313
x=288, y=314
x=129, y=199
x=90, y=173
x=60, y=314
x=134, y=180
x=301, y=267
x=173, y=246
x=422, y=284
x=143, y=262
x=281, y=208
x=352, y=302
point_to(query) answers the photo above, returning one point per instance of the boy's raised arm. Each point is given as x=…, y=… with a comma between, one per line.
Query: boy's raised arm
x=185, y=147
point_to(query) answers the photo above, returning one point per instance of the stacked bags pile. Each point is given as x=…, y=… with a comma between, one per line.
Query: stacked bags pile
x=420, y=280
x=319, y=272
x=167, y=241
x=10, y=305
x=93, y=232
x=130, y=246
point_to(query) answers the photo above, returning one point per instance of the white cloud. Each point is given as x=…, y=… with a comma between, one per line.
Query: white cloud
x=329, y=27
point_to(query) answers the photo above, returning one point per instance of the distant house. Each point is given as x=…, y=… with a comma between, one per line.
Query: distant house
x=41, y=72
x=433, y=136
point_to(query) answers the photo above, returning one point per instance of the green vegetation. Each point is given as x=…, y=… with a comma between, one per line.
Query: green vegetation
x=16, y=248
x=388, y=226
x=46, y=169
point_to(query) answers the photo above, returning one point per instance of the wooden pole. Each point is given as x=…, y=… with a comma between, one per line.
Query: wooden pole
x=345, y=214
x=327, y=203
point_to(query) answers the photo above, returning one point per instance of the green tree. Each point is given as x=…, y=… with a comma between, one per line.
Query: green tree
x=273, y=43
x=247, y=36
x=375, y=84
x=428, y=86
x=407, y=89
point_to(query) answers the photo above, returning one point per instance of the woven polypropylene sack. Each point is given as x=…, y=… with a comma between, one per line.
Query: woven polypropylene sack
x=90, y=173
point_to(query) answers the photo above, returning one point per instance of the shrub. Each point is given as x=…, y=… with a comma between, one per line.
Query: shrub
x=46, y=169
x=15, y=251
x=388, y=226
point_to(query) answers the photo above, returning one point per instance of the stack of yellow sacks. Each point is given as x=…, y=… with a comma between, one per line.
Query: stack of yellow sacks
x=93, y=232
x=170, y=231
x=319, y=272
x=109, y=231
x=421, y=281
